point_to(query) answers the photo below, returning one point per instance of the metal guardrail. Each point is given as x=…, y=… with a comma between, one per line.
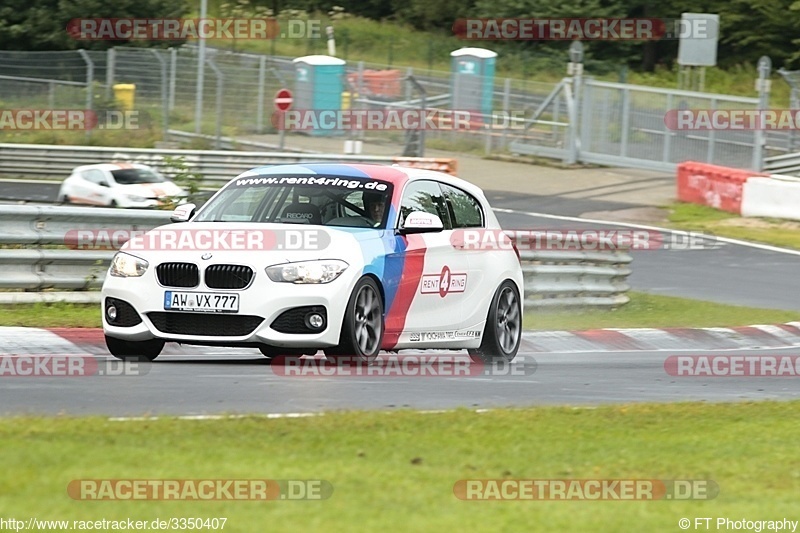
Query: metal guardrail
x=575, y=278
x=783, y=164
x=552, y=278
x=216, y=166
x=40, y=261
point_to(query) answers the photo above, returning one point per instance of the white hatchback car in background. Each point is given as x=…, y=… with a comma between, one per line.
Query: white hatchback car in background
x=119, y=185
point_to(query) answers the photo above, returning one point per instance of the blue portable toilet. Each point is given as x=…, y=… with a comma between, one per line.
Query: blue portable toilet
x=319, y=82
x=472, y=80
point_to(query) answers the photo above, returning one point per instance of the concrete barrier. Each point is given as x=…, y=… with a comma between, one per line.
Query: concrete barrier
x=775, y=196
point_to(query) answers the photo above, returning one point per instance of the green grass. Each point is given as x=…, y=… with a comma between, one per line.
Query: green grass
x=51, y=315
x=656, y=311
x=644, y=310
x=396, y=471
x=776, y=232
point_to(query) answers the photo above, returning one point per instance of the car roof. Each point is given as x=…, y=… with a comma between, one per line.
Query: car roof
x=116, y=165
x=394, y=174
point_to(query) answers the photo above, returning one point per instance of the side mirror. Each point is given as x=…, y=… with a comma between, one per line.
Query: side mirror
x=421, y=222
x=183, y=213
x=103, y=183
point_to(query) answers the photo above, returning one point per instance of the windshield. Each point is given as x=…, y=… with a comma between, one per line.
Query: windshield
x=320, y=200
x=130, y=176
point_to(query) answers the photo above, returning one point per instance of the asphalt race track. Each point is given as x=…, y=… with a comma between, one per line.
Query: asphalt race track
x=210, y=381
x=222, y=382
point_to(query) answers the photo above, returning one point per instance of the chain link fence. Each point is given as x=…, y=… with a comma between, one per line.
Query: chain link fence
x=604, y=123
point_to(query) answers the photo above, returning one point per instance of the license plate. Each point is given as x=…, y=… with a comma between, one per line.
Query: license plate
x=209, y=302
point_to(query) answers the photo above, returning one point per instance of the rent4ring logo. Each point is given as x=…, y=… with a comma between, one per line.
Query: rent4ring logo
x=443, y=283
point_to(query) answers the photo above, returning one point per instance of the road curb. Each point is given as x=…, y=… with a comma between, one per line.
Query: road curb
x=40, y=341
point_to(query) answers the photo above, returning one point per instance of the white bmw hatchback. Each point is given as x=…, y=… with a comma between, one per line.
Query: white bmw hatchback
x=348, y=259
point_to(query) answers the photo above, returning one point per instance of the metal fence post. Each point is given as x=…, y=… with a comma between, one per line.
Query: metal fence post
x=763, y=87
x=164, y=98
x=360, y=93
x=173, y=68
x=89, y=85
x=576, y=70
x=262, y=77
x=587, y=120
x=626, y=122
x=201, y=68
x=508, y=119
x=218, y=111
x=712, y=137
x=665, y=156
x=111, y=63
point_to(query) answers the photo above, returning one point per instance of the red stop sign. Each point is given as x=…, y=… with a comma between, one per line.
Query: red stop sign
x=283, y=100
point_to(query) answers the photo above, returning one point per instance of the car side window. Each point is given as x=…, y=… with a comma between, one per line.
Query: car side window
x=464, y=208
x=424, y=196
x=95, y=176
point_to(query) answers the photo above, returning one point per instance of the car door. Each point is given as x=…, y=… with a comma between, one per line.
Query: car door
x=466, y=215
x=439, y=274
x=96, y=187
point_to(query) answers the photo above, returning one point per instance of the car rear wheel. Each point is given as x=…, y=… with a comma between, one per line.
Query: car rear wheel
x=362, y=328
x=503, y=330
x=134, y=350
x=63, y=200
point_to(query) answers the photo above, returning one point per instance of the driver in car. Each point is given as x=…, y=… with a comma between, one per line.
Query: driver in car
x=375, y=205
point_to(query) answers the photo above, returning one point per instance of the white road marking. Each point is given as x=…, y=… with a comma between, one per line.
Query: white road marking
x=726, y=240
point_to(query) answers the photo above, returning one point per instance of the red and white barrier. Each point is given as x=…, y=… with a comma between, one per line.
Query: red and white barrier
x=746, y=193
x=712, y=185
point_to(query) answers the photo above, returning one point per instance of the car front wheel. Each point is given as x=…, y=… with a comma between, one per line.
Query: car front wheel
x=362, y=328
x=134, y=350
x=503, y=331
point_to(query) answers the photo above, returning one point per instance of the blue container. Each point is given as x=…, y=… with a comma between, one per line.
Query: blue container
x=472, y=80
x=319, y=82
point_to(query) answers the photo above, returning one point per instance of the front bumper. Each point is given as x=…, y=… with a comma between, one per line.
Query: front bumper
x=263, y=299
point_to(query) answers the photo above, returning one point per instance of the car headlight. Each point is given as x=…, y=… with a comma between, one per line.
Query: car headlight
x=322, y=271
x=135, y=198
x=127, y=266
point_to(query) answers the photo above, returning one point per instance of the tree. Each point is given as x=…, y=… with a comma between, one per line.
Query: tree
x=42, y=25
